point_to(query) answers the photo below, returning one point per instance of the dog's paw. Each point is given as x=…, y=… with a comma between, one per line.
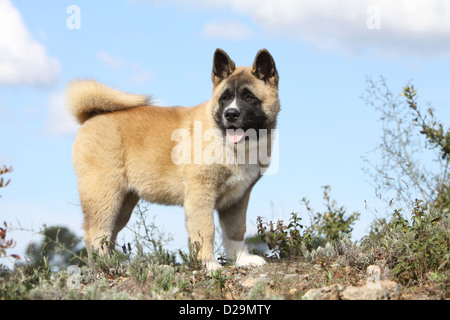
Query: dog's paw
x=212, y=265
x=250, y=260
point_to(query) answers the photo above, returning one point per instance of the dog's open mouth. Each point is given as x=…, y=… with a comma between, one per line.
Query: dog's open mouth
x=234, y=135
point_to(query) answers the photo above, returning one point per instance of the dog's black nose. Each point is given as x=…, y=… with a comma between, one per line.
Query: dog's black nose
x=232, y=114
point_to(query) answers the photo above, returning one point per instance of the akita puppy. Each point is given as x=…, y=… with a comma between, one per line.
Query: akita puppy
x=198, y=157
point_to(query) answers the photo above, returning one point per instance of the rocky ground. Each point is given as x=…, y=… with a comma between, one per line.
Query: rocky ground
x=280, y=280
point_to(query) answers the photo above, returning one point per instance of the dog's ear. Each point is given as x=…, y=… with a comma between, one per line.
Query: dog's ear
x=223, y=66
x=264, y=67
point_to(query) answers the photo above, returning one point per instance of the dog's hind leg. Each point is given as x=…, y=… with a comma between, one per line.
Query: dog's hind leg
x=106, y=212
x=129, y=202
x=233, y=223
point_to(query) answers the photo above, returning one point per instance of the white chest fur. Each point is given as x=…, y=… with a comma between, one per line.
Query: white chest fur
x=242, y=177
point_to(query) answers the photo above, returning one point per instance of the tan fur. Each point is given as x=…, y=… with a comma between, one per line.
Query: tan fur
x=84, y=98
x=122, y=153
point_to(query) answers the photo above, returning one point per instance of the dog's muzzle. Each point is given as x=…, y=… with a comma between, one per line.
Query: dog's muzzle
x=232, y=120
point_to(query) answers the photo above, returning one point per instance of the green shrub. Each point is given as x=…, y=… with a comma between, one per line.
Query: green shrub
x=191, y=259
x=284, y=240
x=332, y=224
x=414, y=247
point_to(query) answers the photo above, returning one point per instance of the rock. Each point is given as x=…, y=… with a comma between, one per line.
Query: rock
x=250, y=281
x=150, y=276
x=373, y=271
x=380, y=290
x=292, y=291
x=375, y=288
x=373, y=275
x=229, y=296
x=128, y=286
x=290, y=277
x=324, y=293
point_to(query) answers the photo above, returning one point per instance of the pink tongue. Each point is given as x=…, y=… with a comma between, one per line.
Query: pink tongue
x=234, y=136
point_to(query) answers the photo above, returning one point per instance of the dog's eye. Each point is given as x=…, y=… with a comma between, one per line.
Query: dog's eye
x=225, y=96
x=250, y=97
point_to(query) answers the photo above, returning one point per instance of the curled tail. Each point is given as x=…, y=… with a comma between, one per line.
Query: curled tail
x=86, y=98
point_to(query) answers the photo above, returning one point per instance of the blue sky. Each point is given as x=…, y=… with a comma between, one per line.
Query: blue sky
x=324, y=50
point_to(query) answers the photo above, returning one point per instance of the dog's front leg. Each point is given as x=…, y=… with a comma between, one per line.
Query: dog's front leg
x=199, y=208
x=233, y=222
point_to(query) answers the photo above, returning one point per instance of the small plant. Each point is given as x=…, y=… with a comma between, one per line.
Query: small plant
x=150, y=239
x=218, y=280
x=424, y=246
x=17, y=285
x=284, y=240
x=165, y=279
x=6, y=244
x=138, y=266
x=414, y=247
x=109, y=265
x=332, y=224
x=191, y=259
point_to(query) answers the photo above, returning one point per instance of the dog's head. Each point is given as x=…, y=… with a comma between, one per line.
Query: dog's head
x=244, y=97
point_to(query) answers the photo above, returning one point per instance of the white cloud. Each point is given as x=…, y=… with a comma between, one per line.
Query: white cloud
x=419, y=27
x=59, y=121
x=138, y=76
x=230, y=30
x=23, y=60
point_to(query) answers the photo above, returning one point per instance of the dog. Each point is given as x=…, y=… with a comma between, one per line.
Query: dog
x=128, y=149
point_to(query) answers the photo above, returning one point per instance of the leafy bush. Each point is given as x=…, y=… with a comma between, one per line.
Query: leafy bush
x=329, y=226
x=414, y=247
x=418, y=245
x=406, y=169
x=284, y=240
x=332, y=223
x=439, y=140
